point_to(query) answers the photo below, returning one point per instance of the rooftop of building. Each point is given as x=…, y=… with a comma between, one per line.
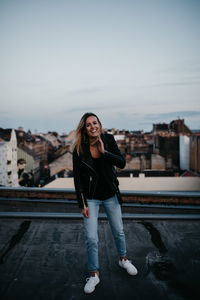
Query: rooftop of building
x=29, y=151
x=46, y=259
x=43, y=252
x=5, y=134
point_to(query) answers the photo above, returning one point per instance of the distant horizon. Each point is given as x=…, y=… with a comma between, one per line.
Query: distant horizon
x=37, y=131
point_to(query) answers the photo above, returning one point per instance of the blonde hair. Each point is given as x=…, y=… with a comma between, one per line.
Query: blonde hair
x=81, y=134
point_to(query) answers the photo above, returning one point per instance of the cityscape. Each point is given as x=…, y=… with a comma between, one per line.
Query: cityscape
x=34, y=160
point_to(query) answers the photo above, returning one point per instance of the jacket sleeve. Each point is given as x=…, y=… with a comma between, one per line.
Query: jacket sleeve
x=113, y=154
x=77, y=181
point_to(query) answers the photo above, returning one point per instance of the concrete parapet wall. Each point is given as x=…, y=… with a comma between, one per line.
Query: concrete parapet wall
x=127, y=196
x=143, y=183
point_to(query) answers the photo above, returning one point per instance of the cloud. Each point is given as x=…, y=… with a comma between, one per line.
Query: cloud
x=180, y=83
x=83, y=91
x=186, y=67
x=176, y=114
x=184, y=73
x=4, y=113
x=85, y=108
x=99, y=107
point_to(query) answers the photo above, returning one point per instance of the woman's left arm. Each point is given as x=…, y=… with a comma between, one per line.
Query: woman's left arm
x=113, y=155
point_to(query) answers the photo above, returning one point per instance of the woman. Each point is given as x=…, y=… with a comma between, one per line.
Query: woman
x=94, y=157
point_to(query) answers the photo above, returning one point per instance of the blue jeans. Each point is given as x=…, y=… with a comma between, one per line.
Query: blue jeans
x=113, y=212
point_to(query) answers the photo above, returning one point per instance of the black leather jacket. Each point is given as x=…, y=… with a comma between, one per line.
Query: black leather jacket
x=85, y=177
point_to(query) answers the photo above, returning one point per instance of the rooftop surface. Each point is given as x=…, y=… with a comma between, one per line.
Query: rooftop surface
x=46, y=259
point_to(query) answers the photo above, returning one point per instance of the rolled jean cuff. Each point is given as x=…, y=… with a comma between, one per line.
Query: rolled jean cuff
x=123, y=254
x=96, y=270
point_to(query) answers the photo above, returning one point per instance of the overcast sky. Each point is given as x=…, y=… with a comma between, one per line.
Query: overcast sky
x=134, y=63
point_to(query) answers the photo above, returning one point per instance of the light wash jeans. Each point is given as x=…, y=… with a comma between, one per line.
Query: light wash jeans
x=113, y=212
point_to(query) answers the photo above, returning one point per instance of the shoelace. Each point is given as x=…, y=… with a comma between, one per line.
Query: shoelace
x=127, y=262
x=88, y=278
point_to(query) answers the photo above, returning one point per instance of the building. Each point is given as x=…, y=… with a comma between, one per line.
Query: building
x=68, y=139
x=53, y=138
x=184, y=150
x=175, y=127
x=195, y=152
x=32, y=162
x=179, y=127
x=34, y=142
x=41, y=147
x=157, y=162
x=8, y=158
x=62, y=163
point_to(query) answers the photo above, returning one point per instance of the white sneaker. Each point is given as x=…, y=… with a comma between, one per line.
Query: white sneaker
x=91, y=283
x=128, y=266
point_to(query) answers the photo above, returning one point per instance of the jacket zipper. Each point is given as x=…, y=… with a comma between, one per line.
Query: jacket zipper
x=94, y=172
x=116, y=188
x=83, y=200
x=90, y=184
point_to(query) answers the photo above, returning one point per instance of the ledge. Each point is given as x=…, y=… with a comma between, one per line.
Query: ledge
x=164, y=197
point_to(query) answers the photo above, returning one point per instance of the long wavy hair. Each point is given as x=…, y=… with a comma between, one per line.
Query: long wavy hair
x=81, y=133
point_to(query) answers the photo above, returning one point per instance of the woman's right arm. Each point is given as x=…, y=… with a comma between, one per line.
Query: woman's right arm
x=78, y=184
x=85, y=212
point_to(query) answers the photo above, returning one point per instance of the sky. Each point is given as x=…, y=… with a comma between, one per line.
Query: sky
x=133, y=63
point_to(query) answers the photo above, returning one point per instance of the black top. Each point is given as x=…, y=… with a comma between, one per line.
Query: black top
x=102, y=190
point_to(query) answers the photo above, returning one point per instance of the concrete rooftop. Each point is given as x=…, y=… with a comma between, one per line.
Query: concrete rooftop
x=46, y=259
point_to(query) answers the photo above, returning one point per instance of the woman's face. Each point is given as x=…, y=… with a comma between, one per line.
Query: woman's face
x=92, y=126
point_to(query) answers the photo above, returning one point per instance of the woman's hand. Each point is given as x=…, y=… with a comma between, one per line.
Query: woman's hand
x=100, y=145
x=85, y=212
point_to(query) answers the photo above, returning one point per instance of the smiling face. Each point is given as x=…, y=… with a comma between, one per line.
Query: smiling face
x=93, y=127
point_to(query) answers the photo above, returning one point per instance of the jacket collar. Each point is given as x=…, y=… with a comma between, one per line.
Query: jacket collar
x=103, y=137
x=86, y=155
